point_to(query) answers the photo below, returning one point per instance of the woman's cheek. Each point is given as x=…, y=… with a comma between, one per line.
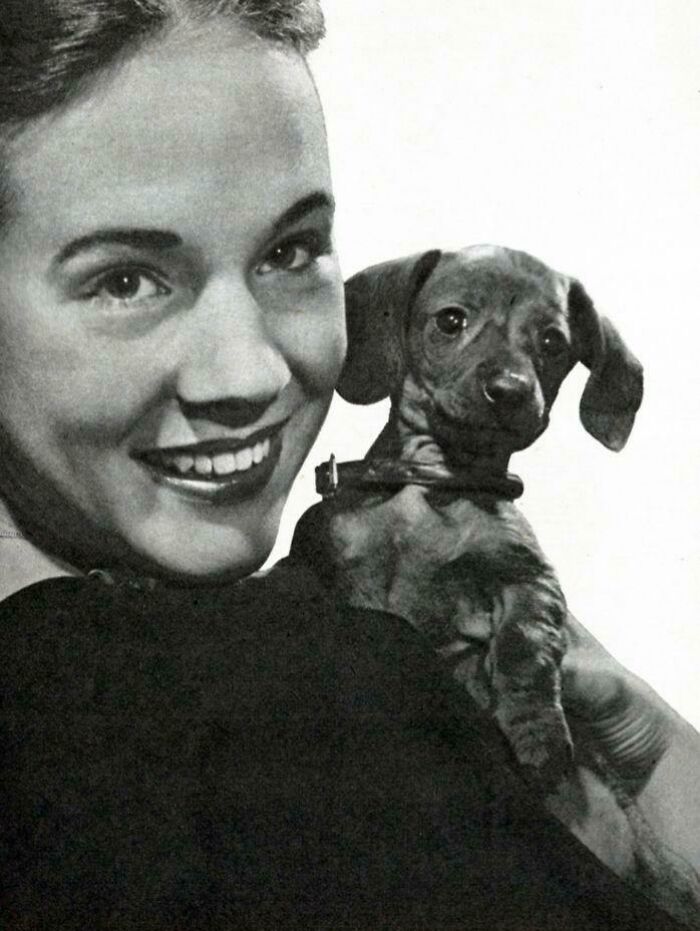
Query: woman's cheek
x=324, y=342
x=335, y=350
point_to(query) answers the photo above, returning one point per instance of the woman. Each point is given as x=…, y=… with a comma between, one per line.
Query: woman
x=185, y=745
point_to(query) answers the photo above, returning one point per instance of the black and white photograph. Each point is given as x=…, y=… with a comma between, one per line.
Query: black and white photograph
x=348, y=431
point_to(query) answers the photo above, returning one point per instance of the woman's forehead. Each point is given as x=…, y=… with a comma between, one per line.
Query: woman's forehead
x=183, y=131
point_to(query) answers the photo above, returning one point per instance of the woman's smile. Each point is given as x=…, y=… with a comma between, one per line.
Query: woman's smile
x=219, y=471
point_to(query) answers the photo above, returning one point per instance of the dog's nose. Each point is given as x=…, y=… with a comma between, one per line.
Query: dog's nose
x=506, y=390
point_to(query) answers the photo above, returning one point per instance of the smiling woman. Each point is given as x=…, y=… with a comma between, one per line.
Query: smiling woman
x=186, y=743
x=156, y=426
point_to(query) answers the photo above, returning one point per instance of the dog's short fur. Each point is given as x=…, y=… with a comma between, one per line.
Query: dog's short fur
x=471, y=347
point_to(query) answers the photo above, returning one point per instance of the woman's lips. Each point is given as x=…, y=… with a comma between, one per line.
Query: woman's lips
x=218, y=471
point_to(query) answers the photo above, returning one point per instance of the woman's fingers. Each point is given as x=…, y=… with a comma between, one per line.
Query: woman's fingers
x=592, y=680
x=613, y=710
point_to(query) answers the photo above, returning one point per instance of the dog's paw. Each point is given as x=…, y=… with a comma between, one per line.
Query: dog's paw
x=540, y=739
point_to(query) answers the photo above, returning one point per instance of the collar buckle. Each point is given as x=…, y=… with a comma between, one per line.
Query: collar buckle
x=327, y=478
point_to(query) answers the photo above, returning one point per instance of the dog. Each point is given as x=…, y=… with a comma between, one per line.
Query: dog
x=471, y=347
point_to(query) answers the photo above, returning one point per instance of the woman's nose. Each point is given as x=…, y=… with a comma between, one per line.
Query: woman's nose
x=231, y=353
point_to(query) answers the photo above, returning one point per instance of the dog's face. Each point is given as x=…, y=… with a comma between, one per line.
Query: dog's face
x=472, y=346
x=488, y=344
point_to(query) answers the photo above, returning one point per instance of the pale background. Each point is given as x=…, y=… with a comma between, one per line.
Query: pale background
x=570, y=129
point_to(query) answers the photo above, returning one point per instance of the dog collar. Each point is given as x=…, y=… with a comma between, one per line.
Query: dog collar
x=394, y=473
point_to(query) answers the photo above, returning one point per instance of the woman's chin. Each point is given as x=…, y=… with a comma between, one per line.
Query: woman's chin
x=201, y=568
x=205, y=555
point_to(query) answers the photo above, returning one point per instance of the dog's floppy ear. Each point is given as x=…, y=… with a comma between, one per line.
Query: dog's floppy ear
x=613, y=392
x=377, y=301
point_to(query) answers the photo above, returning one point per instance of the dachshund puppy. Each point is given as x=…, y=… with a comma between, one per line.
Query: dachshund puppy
x=471, y=347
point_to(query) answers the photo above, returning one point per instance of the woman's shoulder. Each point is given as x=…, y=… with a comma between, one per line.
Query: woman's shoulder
x=22, y=564
x=274, y=629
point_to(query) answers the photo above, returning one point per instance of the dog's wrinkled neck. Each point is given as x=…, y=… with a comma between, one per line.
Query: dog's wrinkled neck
x=411, y=441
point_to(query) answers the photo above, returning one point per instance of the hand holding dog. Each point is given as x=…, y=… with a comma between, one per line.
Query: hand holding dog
x=471, y=347
x=653, y=751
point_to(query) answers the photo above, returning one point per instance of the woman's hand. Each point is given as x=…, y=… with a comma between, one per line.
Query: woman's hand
x=652, y=751
x=613, y=710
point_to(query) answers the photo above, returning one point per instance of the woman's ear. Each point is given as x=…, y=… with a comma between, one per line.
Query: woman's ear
x=377, y=303
x=613, y=392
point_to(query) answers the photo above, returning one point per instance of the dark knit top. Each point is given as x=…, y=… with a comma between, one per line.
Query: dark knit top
x=256, y=756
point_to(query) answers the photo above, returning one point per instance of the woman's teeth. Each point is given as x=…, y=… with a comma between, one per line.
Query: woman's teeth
x=219, y=465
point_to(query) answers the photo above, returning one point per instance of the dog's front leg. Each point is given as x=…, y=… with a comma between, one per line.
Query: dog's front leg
x=524, y=662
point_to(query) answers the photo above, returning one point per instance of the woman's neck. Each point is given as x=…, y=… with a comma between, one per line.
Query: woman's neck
x=21, y=562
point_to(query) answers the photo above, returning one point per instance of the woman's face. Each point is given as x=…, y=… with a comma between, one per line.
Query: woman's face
x=171, y=313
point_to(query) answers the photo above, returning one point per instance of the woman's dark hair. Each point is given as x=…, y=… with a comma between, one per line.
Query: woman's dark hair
x=49, y=47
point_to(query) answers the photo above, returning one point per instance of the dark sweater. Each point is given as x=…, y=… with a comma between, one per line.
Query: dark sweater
x=254, y=756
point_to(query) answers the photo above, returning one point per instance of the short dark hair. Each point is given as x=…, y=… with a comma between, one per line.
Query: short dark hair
x=49, y=47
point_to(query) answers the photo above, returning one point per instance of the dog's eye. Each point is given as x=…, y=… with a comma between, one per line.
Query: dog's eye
x=553, y=342
x=451, y=320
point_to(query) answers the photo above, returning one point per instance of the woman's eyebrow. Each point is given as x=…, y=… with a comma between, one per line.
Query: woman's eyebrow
x=137, y=238
x=316, y=201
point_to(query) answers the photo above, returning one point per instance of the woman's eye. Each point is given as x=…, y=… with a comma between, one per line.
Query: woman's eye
x=294, y=255
x=128, y=286
x=452, y=320
x=553, y=342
